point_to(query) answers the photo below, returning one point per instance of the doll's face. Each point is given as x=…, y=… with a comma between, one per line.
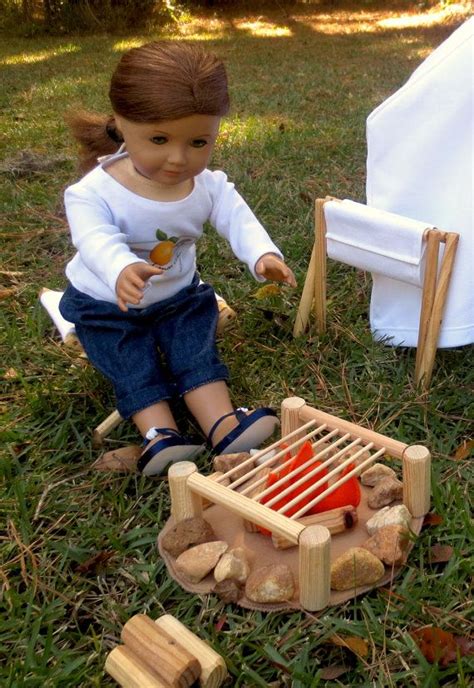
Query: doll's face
x=170, y=152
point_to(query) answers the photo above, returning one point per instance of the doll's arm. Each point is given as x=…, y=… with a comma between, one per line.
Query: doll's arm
x=131, y=283
x=272, y=267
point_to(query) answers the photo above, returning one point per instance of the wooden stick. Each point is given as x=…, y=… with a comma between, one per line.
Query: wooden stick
x=105, y=428
x=320, y=266
x=255, y=488
x=307, y=296
x=417, y=480
x=270, y=461
x=213, y=667
x=338, y=483
x=432, y=335
x=247, y=508
x=314, y=567
x=393, y=447
x=305, y=478
x=160, y=651
x=286, y=463
x=338, y=520
x=217, y=475
x=130, y=672
x=433, y=239
x=184, y=503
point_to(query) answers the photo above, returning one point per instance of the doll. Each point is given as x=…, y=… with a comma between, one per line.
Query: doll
x=148, y=324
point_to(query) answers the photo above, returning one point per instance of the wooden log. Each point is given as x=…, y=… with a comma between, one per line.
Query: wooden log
x=335, y=520
x=315, y=567
x=213, y=667
x=160, y=651
x=393, y=447
x=105, y=428
x=247, y=508
x=184, y=503
x=417, y=480
x=129, y=671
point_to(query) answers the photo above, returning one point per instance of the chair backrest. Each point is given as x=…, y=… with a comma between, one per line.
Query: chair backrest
x=388, y=244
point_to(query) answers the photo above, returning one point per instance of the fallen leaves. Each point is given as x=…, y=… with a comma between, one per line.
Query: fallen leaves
x=95, y=563
x=464, y=450
x=357, y=645
x=432, y=519
x=440, y=554
x=442, y=647
x=267, y=291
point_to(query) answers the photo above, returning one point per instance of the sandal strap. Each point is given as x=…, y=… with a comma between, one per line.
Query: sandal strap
x=167, y=432
x=239, y=413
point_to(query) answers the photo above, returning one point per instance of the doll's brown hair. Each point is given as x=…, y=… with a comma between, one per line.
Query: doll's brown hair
x=157, y=81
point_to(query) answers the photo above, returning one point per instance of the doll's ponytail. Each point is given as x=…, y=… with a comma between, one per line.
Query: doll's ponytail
x=96, y=135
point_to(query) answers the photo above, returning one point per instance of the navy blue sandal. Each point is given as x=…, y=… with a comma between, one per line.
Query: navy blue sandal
x=170, y=448
x=253, y=429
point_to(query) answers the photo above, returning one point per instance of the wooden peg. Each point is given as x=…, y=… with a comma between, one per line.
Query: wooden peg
x=417, y=479
x=213, y=667
x=184, y=503
x=160, y=651
x=290, y=414
x=129, y=671
x=105, y=428
x=315, y=567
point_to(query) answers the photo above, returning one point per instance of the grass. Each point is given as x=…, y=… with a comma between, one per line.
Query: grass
x=302, y=82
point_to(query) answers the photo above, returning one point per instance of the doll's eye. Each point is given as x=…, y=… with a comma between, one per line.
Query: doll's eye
x=159, y=140
x=198, y=143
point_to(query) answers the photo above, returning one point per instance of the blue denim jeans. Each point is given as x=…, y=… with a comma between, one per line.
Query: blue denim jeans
x=154, y=353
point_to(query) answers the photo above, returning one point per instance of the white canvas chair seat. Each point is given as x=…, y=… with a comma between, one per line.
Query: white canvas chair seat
x=387, y=244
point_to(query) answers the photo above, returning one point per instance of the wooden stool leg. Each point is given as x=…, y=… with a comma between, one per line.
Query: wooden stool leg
x=432, y=335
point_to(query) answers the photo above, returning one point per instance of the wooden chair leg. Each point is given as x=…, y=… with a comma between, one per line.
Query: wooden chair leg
x=320, y=267
x=307, y=296
x=433, y=239
x=432, y=335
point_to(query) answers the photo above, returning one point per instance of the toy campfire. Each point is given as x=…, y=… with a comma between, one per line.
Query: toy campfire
x=312, y=520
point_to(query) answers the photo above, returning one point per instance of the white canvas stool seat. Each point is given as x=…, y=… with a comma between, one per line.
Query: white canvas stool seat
x=386, y=244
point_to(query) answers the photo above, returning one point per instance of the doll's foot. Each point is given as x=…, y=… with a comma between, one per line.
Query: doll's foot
x=167, y=447
x=242, y=430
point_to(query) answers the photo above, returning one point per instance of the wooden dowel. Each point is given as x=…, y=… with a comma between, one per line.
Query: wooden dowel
x=338, y=483
x=338, y=520
x=130, y=672
x=393, y=447
x=255, y=488
x=184, y=503
x=286, y=463
x=433, y=239
x=289, y=414
x=308, y=476
x=105, y=428
x=417, y=480
x=307, y=296
x=160, y=651
x=314, y=567
x=213, y=667
x=273, y=459
x=255, y=457
x=320, y=266
x=432, y=335
x=247, y=508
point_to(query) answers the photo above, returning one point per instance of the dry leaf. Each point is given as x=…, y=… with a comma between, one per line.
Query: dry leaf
x=5, y=293
x=97, y=561
x=439, y=554
x=441, y=646
x=11, y=374
x=221, y=622
x=123, y=460
x=266, y=291
x=332, y=672
x=358, y=645
x=464, y=450
x=432, y=519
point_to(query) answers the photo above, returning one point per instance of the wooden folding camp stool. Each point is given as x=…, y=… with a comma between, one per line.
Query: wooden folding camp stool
x=434, y=290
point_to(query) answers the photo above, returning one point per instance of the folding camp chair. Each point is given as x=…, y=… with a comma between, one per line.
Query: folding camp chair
x=356, y=234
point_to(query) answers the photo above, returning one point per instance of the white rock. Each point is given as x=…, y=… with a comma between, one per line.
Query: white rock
x=389, y=516
x=234, y=565
x=195, y=563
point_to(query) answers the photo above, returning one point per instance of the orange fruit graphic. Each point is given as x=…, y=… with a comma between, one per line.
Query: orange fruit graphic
x=162, y=253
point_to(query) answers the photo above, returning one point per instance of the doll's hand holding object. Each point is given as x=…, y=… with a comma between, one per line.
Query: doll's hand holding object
x=274, y=268
x=132, y=281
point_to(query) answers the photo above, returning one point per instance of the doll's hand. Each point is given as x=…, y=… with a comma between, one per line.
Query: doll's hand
x=273, y=268
x=131, y=283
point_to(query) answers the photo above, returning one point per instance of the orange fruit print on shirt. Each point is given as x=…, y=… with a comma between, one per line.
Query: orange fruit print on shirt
x=162, y=253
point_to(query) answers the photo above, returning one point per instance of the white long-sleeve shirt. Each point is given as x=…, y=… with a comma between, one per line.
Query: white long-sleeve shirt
x=112, y=227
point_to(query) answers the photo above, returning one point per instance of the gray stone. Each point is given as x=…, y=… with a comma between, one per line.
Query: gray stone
x=389, y=516
x=385, y=492
x=270, y=584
